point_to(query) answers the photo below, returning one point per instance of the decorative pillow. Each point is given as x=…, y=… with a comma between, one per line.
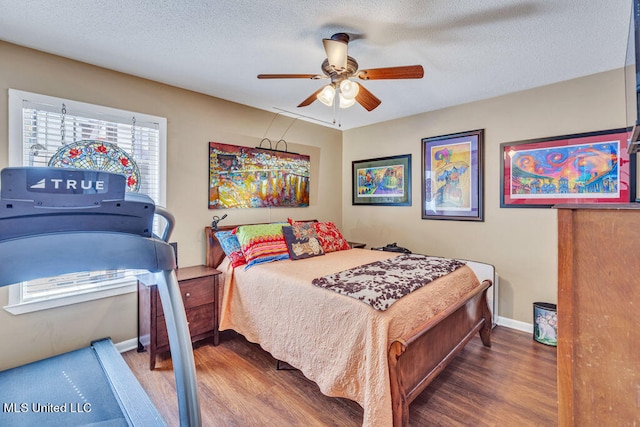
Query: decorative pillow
x=262, y=243
x=302, y=241
x=294, y=222
x=330, y=237
x=231, y=247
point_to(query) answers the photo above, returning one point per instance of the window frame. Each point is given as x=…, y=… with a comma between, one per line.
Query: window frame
x=16, y=100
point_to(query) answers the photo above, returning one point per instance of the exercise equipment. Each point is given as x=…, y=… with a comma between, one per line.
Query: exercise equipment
x=55, y=221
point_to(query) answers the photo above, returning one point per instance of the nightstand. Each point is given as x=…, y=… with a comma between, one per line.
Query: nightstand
x=199, y=289
x=357, y=245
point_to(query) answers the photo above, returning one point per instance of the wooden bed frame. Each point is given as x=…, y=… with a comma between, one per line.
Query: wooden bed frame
x=417, y=358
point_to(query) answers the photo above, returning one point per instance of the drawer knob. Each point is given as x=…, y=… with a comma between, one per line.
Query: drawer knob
x=187, y=295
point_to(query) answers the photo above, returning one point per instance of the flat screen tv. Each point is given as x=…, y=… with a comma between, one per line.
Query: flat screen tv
x=632, y=78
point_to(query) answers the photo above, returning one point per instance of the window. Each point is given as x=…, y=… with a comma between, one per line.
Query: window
x=38, y=126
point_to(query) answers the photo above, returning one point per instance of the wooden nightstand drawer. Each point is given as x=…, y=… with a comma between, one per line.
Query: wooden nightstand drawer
x=199, y=290
x=194, y=292
x=200, y=320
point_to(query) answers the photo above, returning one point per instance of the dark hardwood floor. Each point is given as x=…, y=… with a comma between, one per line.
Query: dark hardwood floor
x=513, y=383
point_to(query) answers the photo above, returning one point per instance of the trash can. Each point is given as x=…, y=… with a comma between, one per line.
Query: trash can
x=545, y=323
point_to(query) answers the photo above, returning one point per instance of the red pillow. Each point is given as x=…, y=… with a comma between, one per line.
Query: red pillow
x=330, y=237
x=294, y=222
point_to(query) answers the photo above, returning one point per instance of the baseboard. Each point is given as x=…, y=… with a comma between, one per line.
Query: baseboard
x=515, y=324
x=127, y=345
x=132, y=343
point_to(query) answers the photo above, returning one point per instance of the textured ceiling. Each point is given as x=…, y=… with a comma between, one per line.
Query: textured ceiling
x=470, y=50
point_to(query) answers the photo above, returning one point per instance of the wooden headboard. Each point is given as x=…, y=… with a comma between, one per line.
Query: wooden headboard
x=214, y=253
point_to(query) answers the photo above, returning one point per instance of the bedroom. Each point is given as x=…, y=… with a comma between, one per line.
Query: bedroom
x=528, y=272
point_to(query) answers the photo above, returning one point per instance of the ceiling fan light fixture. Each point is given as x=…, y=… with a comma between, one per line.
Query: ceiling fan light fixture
x=336, y=50
x=346, y=102
x=326, y=95
x=341, y=68
x=349, y=89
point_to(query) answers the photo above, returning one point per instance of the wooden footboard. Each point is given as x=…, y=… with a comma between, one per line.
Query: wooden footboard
x=416, y=359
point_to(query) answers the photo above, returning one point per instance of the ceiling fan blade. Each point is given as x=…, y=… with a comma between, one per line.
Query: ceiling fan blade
x=336, y=49
x=290, y=76
x=367, y=99
x=310, y=99
x=405, y=72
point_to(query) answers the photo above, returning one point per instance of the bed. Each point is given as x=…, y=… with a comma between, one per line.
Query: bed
x=381, y=359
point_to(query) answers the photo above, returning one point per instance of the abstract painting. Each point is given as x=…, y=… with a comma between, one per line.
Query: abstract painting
x=382, y=181
x=572, y=169
x=452, y=176
x=245, y=177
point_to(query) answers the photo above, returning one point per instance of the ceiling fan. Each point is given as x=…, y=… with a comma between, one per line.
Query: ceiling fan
x=341, y=68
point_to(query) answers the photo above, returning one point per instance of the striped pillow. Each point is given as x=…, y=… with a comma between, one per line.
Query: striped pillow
x=262, y=243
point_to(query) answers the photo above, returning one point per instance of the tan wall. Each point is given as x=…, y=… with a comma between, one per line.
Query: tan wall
x=193, y=120
x=520, y=243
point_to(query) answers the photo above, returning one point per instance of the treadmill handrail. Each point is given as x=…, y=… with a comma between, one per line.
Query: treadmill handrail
x=170, y=222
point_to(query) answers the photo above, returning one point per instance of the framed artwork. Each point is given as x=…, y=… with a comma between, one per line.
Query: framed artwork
x=245, y=177
x=452, y=176
x=385, y=181
x=581, y=168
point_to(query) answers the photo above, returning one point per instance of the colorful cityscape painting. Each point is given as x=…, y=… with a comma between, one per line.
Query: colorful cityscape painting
x=588, y=170
x=245, y=177
x=383, y=181
x=582, y=168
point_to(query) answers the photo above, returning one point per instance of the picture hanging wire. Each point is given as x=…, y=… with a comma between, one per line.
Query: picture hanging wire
x=271, y=147
x=298, y=115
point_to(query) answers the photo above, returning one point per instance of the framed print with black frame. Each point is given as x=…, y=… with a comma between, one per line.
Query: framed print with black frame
x=385, y=181
x=452, y=176
x=583, y=168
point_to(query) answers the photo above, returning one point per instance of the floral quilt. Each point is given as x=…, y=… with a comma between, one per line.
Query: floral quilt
x=382, y=283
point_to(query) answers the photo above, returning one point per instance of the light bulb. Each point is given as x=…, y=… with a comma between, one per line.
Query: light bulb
x=349, y=89
x=346, y=102
x=326, y=95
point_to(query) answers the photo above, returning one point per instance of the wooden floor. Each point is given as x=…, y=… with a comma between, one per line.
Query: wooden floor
x=512, y=383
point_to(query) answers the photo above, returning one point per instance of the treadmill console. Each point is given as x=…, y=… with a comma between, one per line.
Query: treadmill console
x=37, y=200
x=61, y=187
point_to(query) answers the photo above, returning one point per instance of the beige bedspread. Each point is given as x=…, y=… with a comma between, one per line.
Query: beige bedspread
x=338, y=342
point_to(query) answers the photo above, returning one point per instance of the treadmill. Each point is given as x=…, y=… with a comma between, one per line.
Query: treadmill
x=71, y=220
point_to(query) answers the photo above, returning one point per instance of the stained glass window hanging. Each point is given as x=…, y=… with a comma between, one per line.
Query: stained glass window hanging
x=98, y=155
